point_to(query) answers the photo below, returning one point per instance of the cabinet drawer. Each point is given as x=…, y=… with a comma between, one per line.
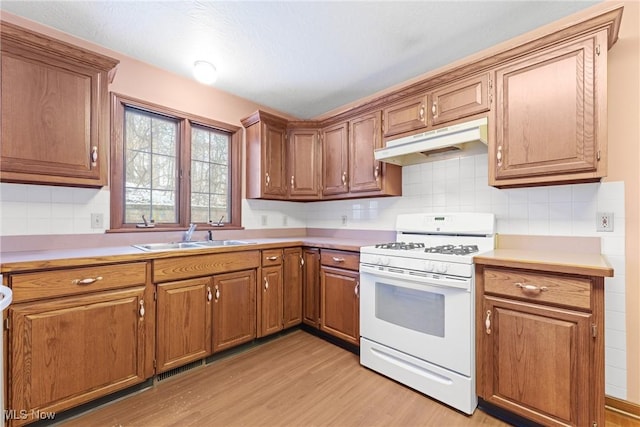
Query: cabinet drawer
x=187, y=267
x=340, y=259
x=48, y=284
x=271, y=257
x=539, y=287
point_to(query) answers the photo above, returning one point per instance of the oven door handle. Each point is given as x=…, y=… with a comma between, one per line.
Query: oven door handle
x=441, y=282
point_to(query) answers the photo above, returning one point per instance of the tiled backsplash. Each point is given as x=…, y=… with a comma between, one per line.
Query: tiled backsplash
x=456, y=184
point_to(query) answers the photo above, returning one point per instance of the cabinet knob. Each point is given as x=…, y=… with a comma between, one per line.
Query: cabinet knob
x=292, y=181
x=209, y=295
x=376, y=172
x=487, y=323
x=344, y=178
x=499, y=156
x=422, y=112
x=267, y=179
x=217, y=293
x=272, y=258
x=336, y=259
x=356, y=290
x=531, y=289
x=94, y=156
x=266, y=284
x=301, y=261
x=434, y=109
x=141, y=311
x=87, y=281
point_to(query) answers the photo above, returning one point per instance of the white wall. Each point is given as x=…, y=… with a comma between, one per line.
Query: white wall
x=456, y=184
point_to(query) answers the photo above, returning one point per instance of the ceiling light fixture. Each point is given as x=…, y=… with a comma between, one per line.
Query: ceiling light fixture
x=205, y=72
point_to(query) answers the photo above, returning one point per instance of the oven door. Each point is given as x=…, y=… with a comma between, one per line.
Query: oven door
x=418, y=316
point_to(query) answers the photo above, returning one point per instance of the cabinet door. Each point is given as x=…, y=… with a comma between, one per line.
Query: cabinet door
x=274, y=159
x=335, y=160
x=365, y=136
x=304, y=164
x=406, y=116
x=234, y=309
x=311, y=287
x=460, y=99
x=271, y=301
x=184, y=322
x=536, y=361
x=340, y=304
x=292, y=287
x=54, y=111
x=548, y=113
x=68, y=351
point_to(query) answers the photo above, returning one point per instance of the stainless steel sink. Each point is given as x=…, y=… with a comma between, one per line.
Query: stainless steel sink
x=150, y=247
x=167, y=246
x=223, y=242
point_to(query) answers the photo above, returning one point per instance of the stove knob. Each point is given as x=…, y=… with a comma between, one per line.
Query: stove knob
x=379, y=260
x=442, y=267
x=386, y=260
x=429, y=266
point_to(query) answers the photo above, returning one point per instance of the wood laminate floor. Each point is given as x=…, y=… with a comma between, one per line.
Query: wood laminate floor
x=295, y=380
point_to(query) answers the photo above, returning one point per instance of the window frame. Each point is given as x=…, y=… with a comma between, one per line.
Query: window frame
x=185, y=123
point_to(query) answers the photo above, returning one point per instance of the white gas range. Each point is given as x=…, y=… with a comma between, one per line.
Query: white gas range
x=417, y=304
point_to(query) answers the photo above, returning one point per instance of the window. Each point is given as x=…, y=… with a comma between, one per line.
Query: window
x=172, y=169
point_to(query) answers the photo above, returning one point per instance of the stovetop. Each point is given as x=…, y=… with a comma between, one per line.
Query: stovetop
x=447, y=249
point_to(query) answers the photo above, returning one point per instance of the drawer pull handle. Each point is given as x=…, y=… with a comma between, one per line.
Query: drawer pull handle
x=487, y=323
x=336, y=259
x=531, y=288
x=142, y=308
x=272, y=258
x=266, y=284
x=356, y=290
x=86, y=281
x=217, y=293
x=209, y=295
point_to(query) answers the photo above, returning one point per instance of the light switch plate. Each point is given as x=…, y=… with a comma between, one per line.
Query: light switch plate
x=97, y=220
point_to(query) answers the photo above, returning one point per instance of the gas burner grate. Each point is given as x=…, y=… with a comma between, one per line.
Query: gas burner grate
x=452, y=249
x=400, y=246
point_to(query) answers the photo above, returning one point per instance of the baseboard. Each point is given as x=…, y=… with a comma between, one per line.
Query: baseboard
x=623, y=407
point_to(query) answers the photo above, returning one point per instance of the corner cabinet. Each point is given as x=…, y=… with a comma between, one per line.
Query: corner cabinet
x=304, y=163
x=540, y=344
x=55, y=111
x=551, y=115
x=265, y=136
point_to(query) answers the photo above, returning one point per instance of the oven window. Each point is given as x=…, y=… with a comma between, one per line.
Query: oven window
x=420, y=311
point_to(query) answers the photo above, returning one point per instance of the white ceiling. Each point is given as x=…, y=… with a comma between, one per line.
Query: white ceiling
x=303, y=58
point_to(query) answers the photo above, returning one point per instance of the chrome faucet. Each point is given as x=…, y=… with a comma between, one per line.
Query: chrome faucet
x=187, y=234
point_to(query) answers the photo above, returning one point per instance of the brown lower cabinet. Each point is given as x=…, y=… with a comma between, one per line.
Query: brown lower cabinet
x=311, y=287
x=68, y=351
x=540, y=345
x=339, y=295
x=234, y=309
x=184, y=322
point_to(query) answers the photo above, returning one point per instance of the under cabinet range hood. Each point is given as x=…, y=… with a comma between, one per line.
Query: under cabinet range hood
x=415, y=149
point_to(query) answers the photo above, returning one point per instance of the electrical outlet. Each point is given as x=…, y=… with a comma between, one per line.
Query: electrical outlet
x=97, y=220
x=343, y=218
x=263, y=220
x=604, y=221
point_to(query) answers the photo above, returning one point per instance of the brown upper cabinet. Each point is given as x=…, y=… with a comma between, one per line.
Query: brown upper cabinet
x=405, y=116
x=349, y=167
x=551, y=115
x=460, y=99
x=442, y=104
x=266, y=156
x=55, y=111
x=304, y=163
